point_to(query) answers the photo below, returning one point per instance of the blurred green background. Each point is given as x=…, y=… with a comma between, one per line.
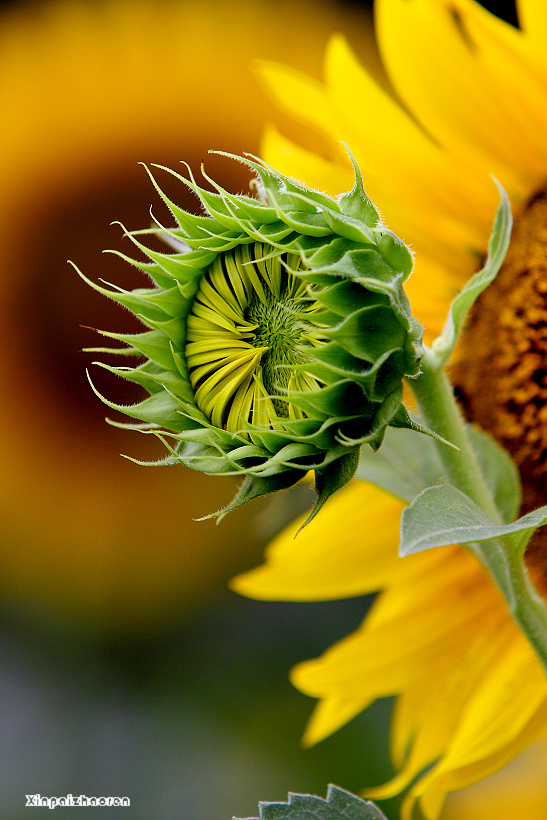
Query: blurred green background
x=126, y=666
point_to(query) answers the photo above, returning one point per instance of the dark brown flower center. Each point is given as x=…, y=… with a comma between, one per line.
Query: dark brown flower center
x=501, y=373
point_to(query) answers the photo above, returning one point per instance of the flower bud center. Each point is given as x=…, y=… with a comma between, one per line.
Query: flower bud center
x=280, y=329
x=506, y=339
x=250, y=323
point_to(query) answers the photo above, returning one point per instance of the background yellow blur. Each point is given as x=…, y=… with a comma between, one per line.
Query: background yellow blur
x=126, y=667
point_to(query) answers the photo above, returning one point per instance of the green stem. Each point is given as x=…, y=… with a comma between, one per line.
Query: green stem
x=438, y=406
x=441, y=413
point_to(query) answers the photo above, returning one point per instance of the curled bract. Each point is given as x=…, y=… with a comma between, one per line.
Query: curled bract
x=278, y=333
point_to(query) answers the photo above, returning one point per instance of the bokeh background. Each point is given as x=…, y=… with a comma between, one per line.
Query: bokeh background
x=126, y=666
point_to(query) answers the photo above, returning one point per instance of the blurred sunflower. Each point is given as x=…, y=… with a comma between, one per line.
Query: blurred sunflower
x=87, y=90
x=464, y=94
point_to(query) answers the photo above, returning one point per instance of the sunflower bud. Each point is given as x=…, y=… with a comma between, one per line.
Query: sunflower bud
x=278, y=334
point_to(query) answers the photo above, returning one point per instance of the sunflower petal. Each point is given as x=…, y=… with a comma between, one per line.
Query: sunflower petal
x=326, y=561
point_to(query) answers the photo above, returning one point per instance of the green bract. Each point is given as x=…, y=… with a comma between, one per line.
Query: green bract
x=278, y=334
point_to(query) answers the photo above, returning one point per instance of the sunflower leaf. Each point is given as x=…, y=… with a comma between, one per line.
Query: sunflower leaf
x=253, y=487
x=338, y=805
x=500, y=471
x=497, y=248
x=406, y=464
x=331, y=478
x=443, y=515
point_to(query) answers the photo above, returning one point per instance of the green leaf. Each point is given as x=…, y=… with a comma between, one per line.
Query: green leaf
x=442, y=515
x=497, y=248
x=159, y=408
x=333, y=477
x=394, y=251
x=339, y=805
x=499, y=470
x=407, y=463
x=253, y=487
x=355, y=203
x=368, y=332
x=402, y=419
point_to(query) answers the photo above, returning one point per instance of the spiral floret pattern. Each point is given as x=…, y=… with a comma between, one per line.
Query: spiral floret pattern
x=277, y=333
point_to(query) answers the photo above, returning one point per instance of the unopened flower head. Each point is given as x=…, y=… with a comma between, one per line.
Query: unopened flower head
x=278, y=333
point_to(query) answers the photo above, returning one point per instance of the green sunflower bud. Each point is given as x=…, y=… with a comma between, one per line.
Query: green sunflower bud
x=278, y=334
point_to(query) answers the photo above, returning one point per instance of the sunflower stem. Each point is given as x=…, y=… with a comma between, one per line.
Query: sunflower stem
x=435, y=396
x=441, y=413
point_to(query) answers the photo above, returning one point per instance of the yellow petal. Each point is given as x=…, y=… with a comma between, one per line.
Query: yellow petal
x=511, y=692
x=506, y=712
x=408, y=176
x=532, y=15
x=329, y=715
x=299, y=95
x=518, y=791
x=392, y=147
x=327, y=560
x=463, y=102
x=427, y=714
x=399, y=636
x=297, y=162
